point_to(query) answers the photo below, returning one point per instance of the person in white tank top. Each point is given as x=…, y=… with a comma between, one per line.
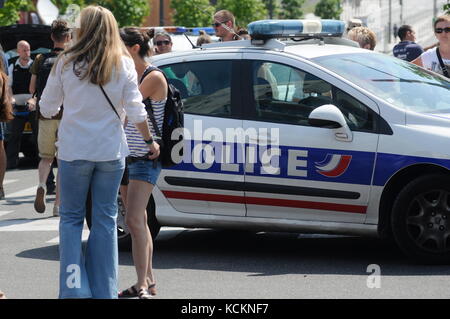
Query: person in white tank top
x=429, y=59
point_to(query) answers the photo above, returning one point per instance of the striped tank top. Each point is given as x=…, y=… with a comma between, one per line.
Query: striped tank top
x=135, y=141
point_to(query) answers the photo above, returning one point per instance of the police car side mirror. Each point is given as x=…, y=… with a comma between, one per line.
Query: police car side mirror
x=329, y=116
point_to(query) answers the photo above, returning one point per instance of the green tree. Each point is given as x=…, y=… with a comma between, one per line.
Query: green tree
x=328, y=9
x=9, y=14
x=63, y=4
x=447, y=8
x=126, y=12
x=273, y=8
x=291, y=9
x=244, y=11
x=192, y=13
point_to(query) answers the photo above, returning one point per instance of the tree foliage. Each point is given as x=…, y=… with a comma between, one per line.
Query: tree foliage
x=63, y=4
x=291, y=9
x=328, y=9
x=192, y=13
x=126, y=12
x=447, y=8
x=273, y=8
x=9, y=14
x=244, y=11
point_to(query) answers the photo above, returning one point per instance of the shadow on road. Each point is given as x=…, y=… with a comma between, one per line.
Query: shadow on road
x=270, y=254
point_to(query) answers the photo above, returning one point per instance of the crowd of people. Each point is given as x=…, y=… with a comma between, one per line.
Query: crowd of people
x=113, y=145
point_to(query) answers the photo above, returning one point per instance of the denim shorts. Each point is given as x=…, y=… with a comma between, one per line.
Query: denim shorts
x=144, y=171
x=2, y=131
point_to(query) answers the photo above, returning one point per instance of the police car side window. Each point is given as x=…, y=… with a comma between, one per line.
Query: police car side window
x=205, y=86
x=287, y=95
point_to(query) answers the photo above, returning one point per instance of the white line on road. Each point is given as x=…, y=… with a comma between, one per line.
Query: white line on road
x=9, y=181
x=22, y=193
x=3, y=213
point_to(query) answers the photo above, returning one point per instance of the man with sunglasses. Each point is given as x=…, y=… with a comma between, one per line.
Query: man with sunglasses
x=438, y=59
x=224, y=26
x=162, y=43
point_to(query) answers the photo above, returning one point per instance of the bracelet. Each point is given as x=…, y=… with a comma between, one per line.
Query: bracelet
x=149, y=141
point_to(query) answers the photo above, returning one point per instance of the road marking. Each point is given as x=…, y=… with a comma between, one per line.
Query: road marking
x=22, y=193
x=9, y=181
x=3, y=213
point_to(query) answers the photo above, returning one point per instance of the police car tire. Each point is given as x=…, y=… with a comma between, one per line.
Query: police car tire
x=124, y=239
x=404, y=234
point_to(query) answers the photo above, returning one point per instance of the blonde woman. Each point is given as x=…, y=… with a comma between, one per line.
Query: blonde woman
x=92, y=147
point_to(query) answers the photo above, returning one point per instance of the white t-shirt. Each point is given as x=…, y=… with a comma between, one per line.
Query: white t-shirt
x=430, y=61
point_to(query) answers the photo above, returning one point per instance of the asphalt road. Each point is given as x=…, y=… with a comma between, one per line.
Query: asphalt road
x=203, y=263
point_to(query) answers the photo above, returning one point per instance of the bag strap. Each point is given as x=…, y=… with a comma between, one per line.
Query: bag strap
x=441, y=62
x=110, y=103
x=148, y=106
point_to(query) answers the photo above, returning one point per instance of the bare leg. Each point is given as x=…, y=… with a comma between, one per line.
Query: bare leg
x=136, y=218
x=2, y=163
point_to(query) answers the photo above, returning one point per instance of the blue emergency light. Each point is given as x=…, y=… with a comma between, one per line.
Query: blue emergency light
x=269, y=29
x=196, y=30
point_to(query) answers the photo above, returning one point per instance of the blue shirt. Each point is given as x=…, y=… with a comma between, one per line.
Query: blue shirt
x=407, y=50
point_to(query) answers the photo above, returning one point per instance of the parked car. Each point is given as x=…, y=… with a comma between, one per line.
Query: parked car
x=309, y=137
x=38, y=36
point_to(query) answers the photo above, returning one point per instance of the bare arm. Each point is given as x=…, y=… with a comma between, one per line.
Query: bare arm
x=32, y=87
x=418, y=61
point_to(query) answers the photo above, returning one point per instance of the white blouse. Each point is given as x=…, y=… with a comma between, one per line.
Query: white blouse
x=90, y=129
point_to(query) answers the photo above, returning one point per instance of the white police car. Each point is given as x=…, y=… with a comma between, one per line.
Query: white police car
x=305, y=136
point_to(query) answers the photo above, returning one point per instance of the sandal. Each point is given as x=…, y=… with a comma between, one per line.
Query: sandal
x=129, y=293
x=152, y=289
x=144, y=294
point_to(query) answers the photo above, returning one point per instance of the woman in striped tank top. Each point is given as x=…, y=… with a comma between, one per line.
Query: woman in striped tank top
x=143, y=173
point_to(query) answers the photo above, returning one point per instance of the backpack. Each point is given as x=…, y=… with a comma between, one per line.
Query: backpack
x=45, y=68
x=173, y=120
x=43, y=73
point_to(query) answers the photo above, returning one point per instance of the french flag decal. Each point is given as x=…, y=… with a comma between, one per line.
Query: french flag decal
x=333, y=165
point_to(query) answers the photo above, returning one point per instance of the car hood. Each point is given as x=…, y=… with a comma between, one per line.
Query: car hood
x=37, y=35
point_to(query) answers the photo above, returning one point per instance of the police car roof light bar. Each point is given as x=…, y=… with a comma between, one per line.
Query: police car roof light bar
x=196, y=30
x=270, y=29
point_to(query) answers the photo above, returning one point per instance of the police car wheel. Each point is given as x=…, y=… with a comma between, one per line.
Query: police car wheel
x=421, y=219
x=123, y=233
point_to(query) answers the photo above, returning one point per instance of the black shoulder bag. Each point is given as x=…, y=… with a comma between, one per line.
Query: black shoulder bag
x=441, y=62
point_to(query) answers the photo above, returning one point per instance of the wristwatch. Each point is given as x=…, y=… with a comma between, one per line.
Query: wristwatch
x=149, y=141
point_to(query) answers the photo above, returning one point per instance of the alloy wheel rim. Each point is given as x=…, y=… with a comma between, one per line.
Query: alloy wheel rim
x=428, y=221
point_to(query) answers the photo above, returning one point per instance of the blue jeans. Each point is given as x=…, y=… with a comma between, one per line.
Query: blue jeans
x=92, y=273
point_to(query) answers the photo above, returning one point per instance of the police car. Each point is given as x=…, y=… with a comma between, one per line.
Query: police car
x=301, y=135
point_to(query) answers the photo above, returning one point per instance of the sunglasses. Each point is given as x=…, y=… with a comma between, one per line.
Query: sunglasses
x=440, y=30
x=218, y=24
x=165, y=42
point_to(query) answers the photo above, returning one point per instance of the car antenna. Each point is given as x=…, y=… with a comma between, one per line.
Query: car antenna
x=193, y=45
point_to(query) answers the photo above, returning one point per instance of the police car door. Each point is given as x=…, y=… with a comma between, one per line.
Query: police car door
x=204, y=183
x=299, y=171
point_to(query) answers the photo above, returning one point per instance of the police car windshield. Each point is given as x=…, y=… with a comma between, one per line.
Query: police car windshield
x=398, y=82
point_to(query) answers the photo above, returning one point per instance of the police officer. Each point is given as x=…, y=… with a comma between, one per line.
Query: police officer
x=407, y=49
x=19, y=82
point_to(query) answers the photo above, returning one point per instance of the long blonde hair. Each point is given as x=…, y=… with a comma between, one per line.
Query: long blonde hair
x=99, y=49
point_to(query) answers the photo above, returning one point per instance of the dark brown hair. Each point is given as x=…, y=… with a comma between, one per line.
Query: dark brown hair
x=60, y=30
x=133, y=35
